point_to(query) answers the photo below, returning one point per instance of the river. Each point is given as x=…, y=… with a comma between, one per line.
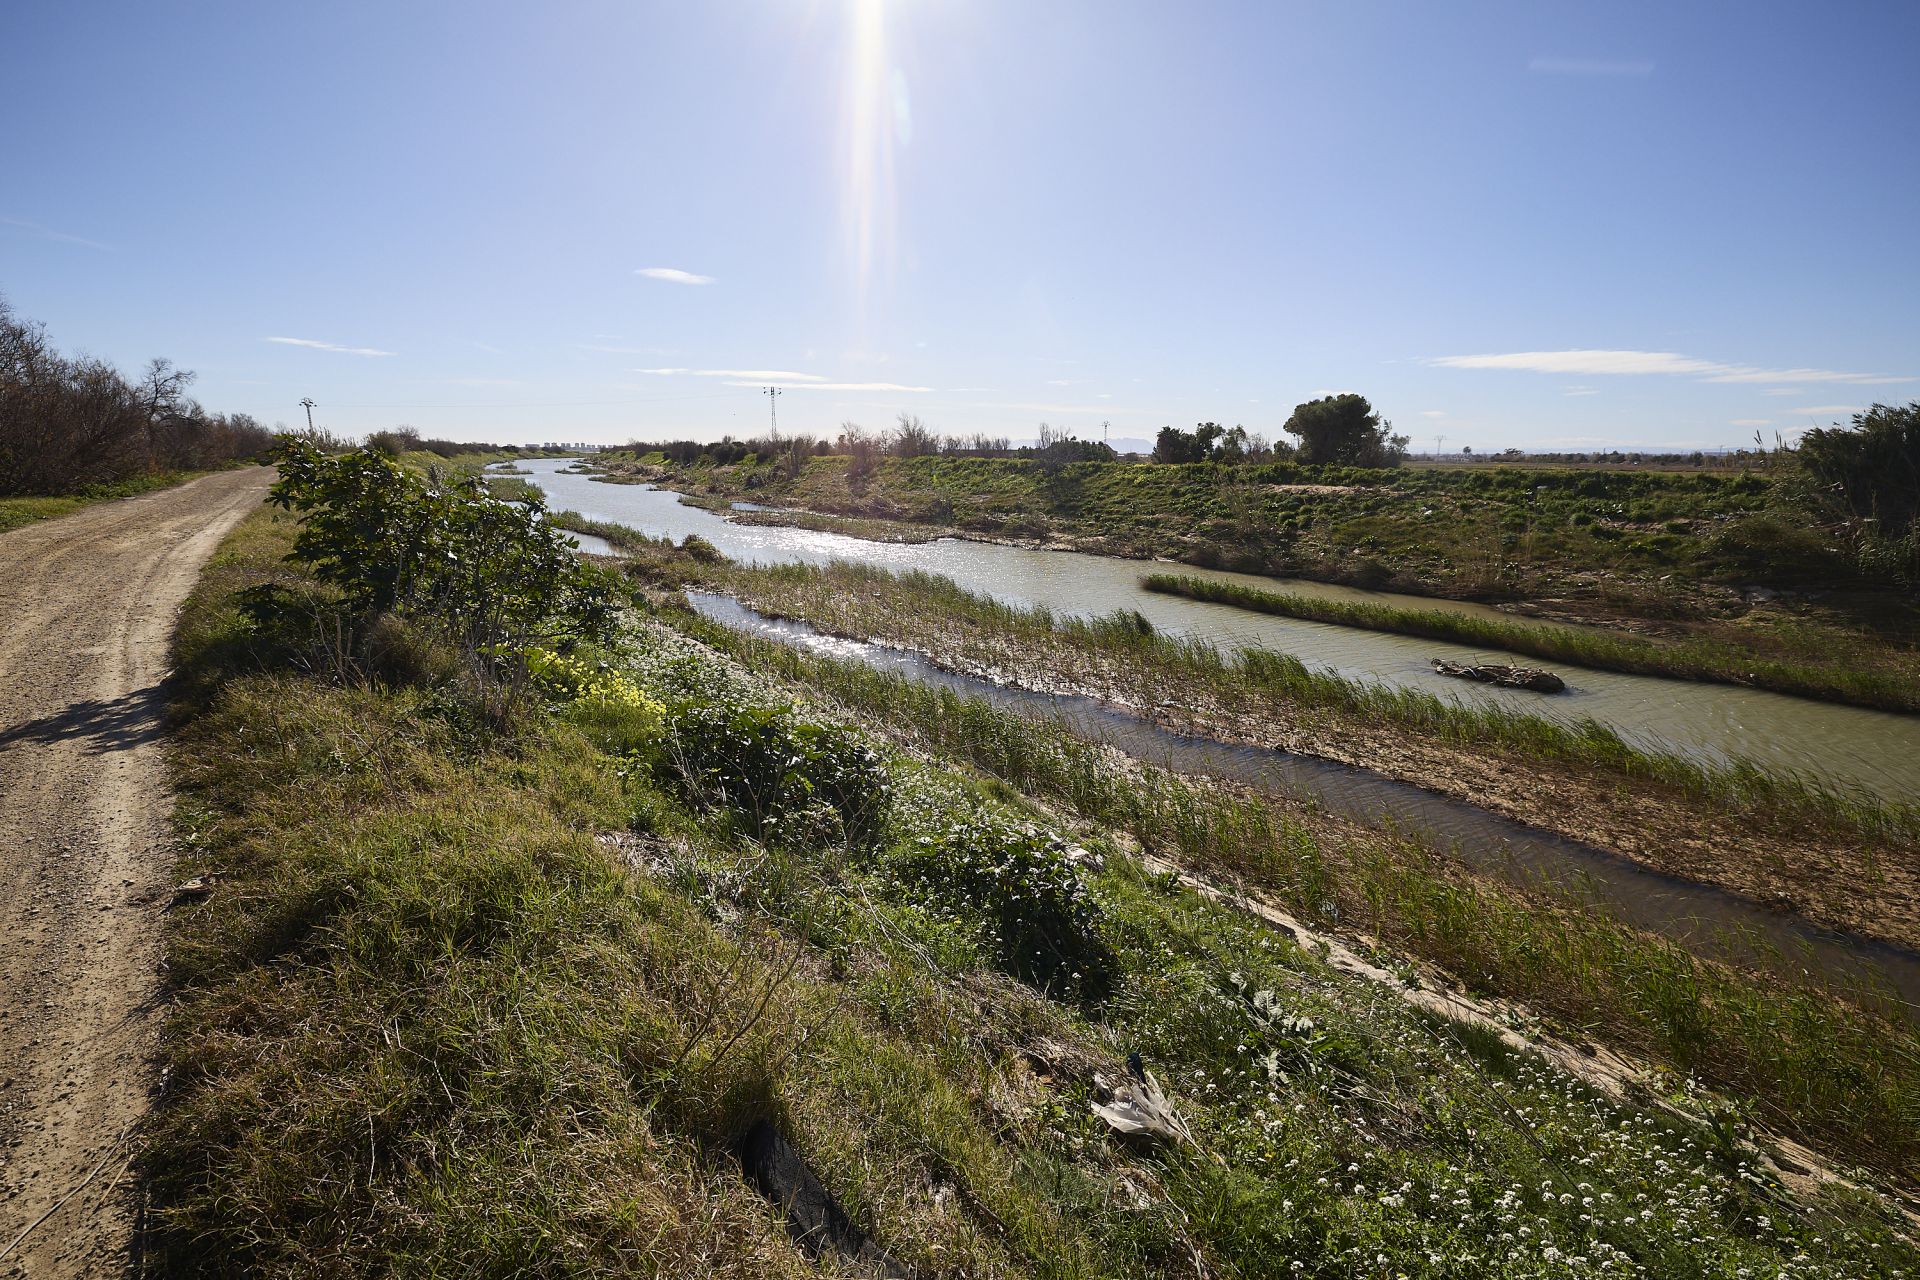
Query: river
x=1706, y=919
x=1875, y=751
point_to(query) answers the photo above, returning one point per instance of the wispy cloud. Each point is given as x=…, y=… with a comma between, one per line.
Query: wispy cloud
x=673, y=275
x=1829, y=408
x=756, y=375
x=834, y=386
x=1750, y=422
x=1652, y=362
x=1433, y=413
x=48, y=233
x=1619, y=68
x=330, y=346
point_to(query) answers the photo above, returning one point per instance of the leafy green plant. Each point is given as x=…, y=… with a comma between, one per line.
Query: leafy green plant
x=1020, y=882
x=792, y=782
x=491, y=577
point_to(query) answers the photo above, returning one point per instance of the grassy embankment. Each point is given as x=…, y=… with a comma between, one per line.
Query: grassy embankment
x=1642, y=994
x=1834, y=680
x=1668, y=553
x=1603, y=537
x=15, y=512
x=427, y=1025
x=928, y=611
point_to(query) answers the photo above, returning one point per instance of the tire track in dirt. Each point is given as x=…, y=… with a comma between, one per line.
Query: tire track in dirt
x=87, y=608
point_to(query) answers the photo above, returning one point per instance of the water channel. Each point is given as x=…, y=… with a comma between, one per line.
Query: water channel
x=1706, y=919
x=1875, y=751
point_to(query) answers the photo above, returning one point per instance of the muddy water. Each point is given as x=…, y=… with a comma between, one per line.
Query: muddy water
x=1849, y=746
x=1707, y=920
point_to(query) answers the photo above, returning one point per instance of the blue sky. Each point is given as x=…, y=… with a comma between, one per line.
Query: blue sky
x=1537, y=225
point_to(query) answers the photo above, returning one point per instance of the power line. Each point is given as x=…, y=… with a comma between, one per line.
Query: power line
x=773, y=409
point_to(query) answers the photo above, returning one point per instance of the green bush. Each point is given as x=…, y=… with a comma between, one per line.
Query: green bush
x=488, y=576
x=792, y=782
x=1020, y=883
x=493, y=577
x=1780, y=550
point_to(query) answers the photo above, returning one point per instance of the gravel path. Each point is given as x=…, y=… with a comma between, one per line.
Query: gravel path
x=87, y=606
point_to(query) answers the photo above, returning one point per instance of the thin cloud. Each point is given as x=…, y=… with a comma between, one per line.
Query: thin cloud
x=836, y=386
x=48, y=233
x=673, y=275
x=1616, y=68
x=1830, y=408
x=1750, y=422
x=330, y=346
x=1610, y=362
x=1781, y=391
x=756, y=375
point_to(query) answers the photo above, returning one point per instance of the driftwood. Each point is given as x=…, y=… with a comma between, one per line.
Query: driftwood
x=1494, y=673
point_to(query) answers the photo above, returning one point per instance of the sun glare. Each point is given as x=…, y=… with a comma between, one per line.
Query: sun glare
x=877, y=123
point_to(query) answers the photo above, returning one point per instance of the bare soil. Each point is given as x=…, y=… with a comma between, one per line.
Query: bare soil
x=87, y=607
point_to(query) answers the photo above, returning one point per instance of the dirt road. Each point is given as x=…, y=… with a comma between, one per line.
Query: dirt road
x=87, y=605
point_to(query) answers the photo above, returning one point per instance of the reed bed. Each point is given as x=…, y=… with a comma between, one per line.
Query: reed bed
x=1601, y=650
x=918, y=607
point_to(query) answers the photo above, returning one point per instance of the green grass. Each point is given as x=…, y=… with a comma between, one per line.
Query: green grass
x=1839, y=680
x=1813, y=1063
x=1646, y=541
x=427, y=1026
x=15, y=512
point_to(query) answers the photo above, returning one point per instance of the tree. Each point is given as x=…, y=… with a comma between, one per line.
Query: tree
x=1872, y=468
x=1345, y=430
x=1174, y=445
x=862, y=448
x=913, y=438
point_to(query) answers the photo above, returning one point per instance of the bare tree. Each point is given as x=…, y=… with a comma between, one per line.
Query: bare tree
x=913, y=438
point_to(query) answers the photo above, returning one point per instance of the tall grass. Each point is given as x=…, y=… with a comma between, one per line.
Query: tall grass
x=1815, y=1062
x=1692, y=659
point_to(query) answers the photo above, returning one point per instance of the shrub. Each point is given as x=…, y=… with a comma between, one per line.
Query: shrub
x=1020, y=883
x=793, y=782
x=1779, y=550
x=493, y=576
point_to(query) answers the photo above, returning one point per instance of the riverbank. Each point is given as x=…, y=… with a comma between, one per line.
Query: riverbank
x=1844, y=747
x=1700, y=561
x=1837, y=858
x=426, y=1022
x=1839, y=677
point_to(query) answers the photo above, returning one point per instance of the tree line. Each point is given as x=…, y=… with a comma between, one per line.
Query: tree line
x=71, y=422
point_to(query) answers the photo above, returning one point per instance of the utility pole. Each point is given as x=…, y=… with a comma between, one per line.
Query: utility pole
x=773, y=408
x=1439, y=442
x=306, y=402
